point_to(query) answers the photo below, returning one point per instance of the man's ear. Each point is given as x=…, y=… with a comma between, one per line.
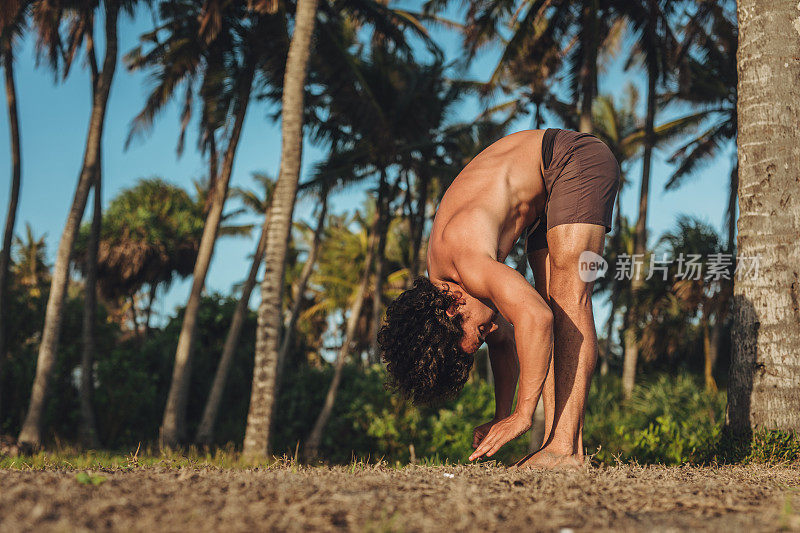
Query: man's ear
x=460, y=300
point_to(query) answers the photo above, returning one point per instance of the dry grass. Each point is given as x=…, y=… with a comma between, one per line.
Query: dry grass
x=362, y=497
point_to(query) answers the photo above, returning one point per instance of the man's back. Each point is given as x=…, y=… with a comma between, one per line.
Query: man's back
x=490, y=202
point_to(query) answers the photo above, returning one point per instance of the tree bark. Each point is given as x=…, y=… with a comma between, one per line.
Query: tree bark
x=604, y=358
x=173, y=425
x=710, y=344
x=615, y=245
x=302, y=283
x=13, y=201
x=88, y=430
x=151, y=298
x=205, y=431
x=311, y=448
x=263, y=392
x=763, y=391
x=380, y=267
x=640, y=236
x=732, y=195
x=589, y=66
x=31, y=433
x=419, y=227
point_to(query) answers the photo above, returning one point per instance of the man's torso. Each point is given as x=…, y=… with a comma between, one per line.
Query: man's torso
x=489, y=204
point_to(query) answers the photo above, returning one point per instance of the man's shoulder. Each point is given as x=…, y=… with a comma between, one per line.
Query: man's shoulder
x=471, y=224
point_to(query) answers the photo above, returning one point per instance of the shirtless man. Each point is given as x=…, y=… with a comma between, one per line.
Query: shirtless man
x=557, y=187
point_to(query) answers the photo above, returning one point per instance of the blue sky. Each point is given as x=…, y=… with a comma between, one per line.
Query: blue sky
x=54, y=118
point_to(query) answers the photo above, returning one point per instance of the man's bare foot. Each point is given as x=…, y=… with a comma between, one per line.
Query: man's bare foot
x=547, y=460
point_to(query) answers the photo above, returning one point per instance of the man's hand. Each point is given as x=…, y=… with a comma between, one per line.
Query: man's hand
x=500, y=433
x=480, y=432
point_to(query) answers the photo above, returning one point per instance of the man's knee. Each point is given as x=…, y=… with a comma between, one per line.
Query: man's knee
x=543, y=319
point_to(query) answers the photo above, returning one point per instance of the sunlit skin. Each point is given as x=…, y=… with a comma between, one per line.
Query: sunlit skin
x=481, y=216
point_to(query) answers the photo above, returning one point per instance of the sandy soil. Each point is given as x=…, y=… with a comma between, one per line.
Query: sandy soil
x=627, y=498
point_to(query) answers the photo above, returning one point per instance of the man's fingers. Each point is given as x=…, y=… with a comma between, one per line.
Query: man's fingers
x=499, y=444
x=492, y=443
x=486, y=444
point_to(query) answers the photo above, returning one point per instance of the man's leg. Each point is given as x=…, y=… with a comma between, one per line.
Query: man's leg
x=540, y=265
x=575, y=341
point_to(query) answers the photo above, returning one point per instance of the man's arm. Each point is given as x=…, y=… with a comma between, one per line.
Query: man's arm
x=505, y=366
x=484, y=277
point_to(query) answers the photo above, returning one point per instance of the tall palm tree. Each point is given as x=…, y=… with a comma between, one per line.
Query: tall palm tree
x=299, y=288
x=707, y=299
x=269, y=312
x=655, y=47
x=223, y=44
x=539, y=37
x=12, y=23
x=623, y=131
x=30, y=267
x=205, y=431
x=388, y=26
x=707, y=79
x=31, y=432
x=765, y=366
x=312, y=444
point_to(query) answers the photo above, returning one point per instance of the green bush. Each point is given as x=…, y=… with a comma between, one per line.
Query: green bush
x=369, y=421
x=669, y=420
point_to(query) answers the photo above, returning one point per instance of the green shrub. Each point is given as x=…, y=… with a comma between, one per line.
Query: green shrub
x=369, y=421
x=669, y=420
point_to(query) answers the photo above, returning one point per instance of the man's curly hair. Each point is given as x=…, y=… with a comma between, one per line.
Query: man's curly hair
x=420, y=344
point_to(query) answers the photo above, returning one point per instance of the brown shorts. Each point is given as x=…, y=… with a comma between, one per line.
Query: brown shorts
x=581, y=178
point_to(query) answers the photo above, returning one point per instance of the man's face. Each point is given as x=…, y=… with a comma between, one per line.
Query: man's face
x=478, y=319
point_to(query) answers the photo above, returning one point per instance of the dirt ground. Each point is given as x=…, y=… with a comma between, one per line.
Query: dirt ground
x=369, y=498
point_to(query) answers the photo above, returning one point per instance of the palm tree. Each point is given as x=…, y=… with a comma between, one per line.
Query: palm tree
x=707, y=74
x=222, y=43
x=312, y=444
x=269, y=312
x=655, y=46
x=708, y=299
x=205, y=431
x=12, y=22
x=623, y=131
x=765, y=366
x=388, y=26
x=552, y=32
x=30, y=267
x=31, y=432
x=303, y=280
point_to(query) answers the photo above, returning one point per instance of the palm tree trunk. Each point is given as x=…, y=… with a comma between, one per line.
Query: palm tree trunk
x=731, y=210
x=419, y=226
x=380, y=267
x=765, y=362
x=151, y=298
x=88, y=431
x=589, y=67
x=302, y=283
x=263, y=391
x=205, y=431
x=615, y=245
x=604, y=358
x=311, y=448
x=31, y=433
x=640, y=236
x=13, y=201
x=172, y=427
x=710, y=343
